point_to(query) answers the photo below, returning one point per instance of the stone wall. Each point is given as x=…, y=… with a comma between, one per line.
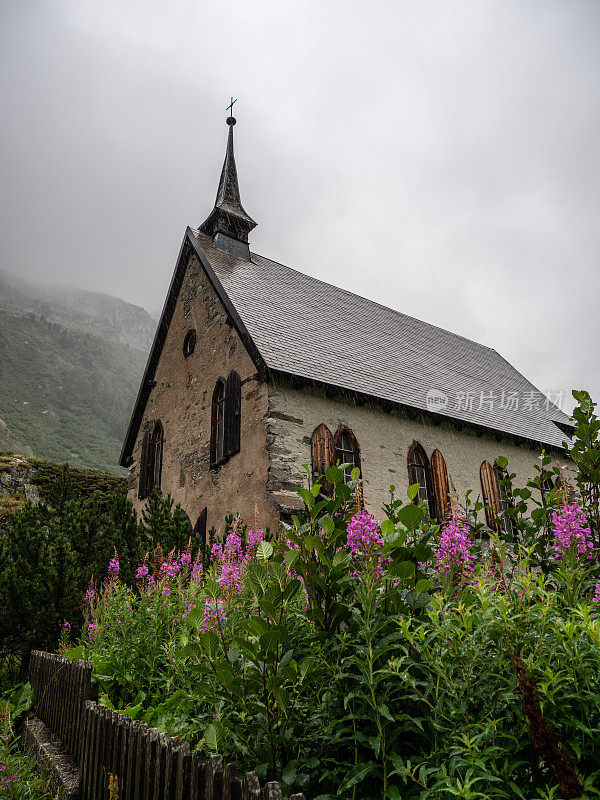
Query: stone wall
x=181, y=400
x=384, y=438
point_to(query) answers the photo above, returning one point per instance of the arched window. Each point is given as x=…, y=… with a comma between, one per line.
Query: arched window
x=346, y=450
x=217, y=429
x=547, y=485
x=189, y=343
x=145, y=452
x=419, y=472
x=441, y=484
x=226, y=426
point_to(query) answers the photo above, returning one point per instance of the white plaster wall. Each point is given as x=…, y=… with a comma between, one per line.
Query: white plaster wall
x=384, y=438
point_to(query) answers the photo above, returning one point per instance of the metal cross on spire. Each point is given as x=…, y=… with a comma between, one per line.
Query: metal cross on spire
x=230, y=109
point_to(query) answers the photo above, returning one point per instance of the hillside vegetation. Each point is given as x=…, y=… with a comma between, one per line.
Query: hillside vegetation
x=65, y=395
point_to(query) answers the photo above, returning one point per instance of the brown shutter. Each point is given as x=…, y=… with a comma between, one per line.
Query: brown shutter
x=157, y=455
x=489, y=486
x=323, y=454
x=233, y=403
x=440, y=482
x=143, y=482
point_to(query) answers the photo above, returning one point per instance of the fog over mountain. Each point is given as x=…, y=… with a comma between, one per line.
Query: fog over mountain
x=94, y=312
x=70, y=365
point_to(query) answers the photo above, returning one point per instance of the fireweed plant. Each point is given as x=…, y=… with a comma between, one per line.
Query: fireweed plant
x=351, y=657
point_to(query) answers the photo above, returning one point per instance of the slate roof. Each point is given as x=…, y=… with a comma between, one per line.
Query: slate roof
x=311, y=329
x=300, y=326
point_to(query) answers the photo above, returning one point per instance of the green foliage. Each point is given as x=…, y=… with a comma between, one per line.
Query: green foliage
x=18, y=779
x=584, y=449
x=374, y=678
x=49, y=554
x=340, y=671
x=51, y=477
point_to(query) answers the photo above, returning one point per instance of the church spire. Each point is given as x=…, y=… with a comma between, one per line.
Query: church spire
x=228, y=223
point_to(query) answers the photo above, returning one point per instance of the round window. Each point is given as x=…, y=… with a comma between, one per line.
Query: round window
x=189, y=343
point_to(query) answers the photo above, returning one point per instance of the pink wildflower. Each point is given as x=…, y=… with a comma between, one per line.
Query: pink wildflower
x=170, y=569
x=185, y=560
x=92, y=629
x=252, y=542
x=454, y=558
x=229, y=579
x=596, y=597
x=113, y=567
x=365, y=543
x=90, y=595
x=197, y=571
x=143, y=574
x=213, y=612
x=66, y=626
x=571, y=531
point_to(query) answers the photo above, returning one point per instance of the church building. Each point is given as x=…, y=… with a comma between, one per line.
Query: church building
x=257, y=369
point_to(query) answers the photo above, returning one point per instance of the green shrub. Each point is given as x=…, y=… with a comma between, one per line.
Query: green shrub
x=18, y=779
x=346, y=660
x=49, y=554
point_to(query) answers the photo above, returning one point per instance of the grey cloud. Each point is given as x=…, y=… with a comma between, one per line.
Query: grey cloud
x=439, y=157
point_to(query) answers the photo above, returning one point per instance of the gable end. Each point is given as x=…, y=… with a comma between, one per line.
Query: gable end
x=190, y=246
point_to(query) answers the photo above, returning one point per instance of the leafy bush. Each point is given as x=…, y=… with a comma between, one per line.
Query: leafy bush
x=361, y=660
x=17, y=772
x=49, y=554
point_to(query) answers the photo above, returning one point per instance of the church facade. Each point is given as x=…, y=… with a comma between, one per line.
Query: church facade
x=257, y=369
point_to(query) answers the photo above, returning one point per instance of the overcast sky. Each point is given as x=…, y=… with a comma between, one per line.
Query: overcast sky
x=439, y=157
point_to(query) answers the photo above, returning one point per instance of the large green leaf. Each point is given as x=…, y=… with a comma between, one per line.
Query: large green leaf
x=264, y=551
x=411, y=515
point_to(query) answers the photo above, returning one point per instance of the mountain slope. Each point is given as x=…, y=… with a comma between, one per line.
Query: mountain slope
x=65, y=394
x=102, y=314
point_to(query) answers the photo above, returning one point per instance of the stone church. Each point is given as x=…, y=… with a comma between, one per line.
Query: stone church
x=257, y=369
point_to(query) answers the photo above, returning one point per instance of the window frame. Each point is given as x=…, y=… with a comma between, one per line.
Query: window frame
x=428, y=487
x=189, y=343
x=345, y=431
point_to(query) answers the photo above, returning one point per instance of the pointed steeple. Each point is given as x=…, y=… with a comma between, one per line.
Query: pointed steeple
x=228, y=223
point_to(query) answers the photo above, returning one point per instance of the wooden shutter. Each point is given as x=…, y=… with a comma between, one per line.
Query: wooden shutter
x=233, y=407
x=323, y=454
x=489, y=486
x=157, y=453
x=145, y=451
x=440, y=483
x=219, y=387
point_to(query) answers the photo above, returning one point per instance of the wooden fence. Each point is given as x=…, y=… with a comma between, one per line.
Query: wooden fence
x=108, y=748
x=61, y=689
